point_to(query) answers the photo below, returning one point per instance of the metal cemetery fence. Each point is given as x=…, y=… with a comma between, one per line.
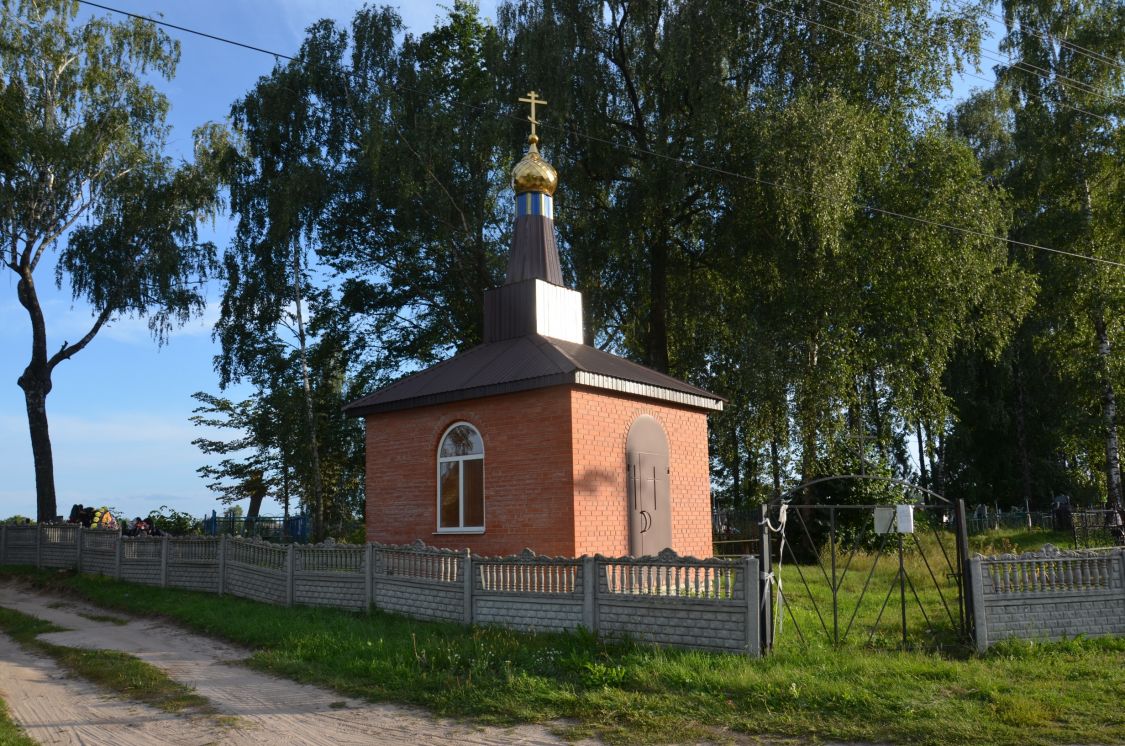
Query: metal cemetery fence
x=883, y=575
x=274, y=528
x=678, y=601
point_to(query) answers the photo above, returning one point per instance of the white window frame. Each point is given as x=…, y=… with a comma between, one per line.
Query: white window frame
x=459, y=460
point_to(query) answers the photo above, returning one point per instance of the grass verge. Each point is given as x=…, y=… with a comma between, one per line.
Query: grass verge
x=120, y=673
x=10, y=733
x=1020, y=693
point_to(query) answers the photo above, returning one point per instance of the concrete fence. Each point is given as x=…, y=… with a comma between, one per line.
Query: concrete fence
x=668, y=600
x=1048, y=595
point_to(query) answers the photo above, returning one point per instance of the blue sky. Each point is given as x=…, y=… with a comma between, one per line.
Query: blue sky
x=119, y=409
x=119, y=412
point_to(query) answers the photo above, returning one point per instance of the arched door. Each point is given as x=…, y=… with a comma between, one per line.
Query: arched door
x=650, y=503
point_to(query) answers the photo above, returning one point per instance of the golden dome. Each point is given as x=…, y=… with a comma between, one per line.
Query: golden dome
x=533, y=174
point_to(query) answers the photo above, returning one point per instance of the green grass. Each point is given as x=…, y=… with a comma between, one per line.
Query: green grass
x=873, y=617
x=1015, y=541
x=10, y=733
x=120, y=673
x=625, y=693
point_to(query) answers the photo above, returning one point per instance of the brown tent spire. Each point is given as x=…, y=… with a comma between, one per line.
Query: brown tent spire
x=533, y=299
x=534, y=255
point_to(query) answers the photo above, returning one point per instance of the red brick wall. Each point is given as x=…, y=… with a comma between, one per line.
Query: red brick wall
x=536, y=493
x=527, y=473
x=601, y=422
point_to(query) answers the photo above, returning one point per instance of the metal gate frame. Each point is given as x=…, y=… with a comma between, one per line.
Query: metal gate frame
x=959, y=565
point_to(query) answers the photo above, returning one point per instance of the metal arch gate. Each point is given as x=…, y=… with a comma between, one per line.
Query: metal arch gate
x=831, y=557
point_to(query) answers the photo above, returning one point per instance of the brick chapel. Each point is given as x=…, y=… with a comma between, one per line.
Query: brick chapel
x=534, y=439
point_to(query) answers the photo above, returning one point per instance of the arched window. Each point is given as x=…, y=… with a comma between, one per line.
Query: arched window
x=461, y=479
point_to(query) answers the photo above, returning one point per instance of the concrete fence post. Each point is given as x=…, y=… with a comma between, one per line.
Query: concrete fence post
x=751, y=591
x=118, y=556
x=976, y=588
x=1121, y=579
x=589, y=593
x=222, y=552
x=164, y=561
x=39, y=546
x=468, y=578
x=78, y=547
x=3, y=544
x=290, y=579
x=368, y=573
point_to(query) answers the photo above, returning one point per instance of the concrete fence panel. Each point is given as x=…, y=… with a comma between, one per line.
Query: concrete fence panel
x=59, y=545
x=420, y=582
x=99, y=552
x=1048, y=595
x=682, y=602
x=257, y=570
x=529, y=592
x=141, y=560
x=21, y=545
x=330, y=575
x=193, y=564
x=668, y=600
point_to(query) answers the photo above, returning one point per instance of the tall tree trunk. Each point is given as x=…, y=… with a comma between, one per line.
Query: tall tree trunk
x=36, y=384
x=737, y=501
x=877, y=417
x=35, y=395
x=658, y=307
x=310, y=410
x=921, y=453
x=1109, y=414
x=775, y=468
x=1021, y=432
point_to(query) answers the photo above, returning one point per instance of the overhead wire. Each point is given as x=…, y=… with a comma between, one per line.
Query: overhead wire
x=1050, y=39
x=901, y=53
x=859, y=7
x=637, y=149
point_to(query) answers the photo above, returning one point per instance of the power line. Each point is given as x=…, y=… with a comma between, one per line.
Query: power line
x=636, y=149
x=1050, y=39
x=994, y=56
x=903, y=54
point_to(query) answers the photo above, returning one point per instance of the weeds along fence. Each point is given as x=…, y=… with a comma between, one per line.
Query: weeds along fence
x=669, y=600
x=1048, y=595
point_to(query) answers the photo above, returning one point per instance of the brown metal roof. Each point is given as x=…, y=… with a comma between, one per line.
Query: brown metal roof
x=524, y=363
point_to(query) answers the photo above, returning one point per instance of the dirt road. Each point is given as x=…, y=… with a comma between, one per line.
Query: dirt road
x=55, y=709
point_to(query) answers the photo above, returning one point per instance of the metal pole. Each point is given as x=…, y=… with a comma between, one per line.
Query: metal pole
x=901, y=586
x=764, y=581
x=963, y=580
x=835, y=589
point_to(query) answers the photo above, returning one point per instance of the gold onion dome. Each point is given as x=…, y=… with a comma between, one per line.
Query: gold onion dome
x=532, y=173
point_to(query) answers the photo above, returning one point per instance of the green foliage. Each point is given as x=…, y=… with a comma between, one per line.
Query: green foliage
x=370, y=173
x=84, y=172
x=1039, y=420
x=18, y=520
x=175, y=522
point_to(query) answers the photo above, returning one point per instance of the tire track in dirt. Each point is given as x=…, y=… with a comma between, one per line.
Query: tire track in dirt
x=268, y=709
x=54, y=708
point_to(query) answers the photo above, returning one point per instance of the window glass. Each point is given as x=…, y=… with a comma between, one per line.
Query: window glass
x=449, y=492
x=473, y=491
x=461, y=441
x=461, y=479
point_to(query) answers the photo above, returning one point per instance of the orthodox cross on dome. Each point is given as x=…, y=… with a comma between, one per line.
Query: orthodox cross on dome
x=533, y=99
